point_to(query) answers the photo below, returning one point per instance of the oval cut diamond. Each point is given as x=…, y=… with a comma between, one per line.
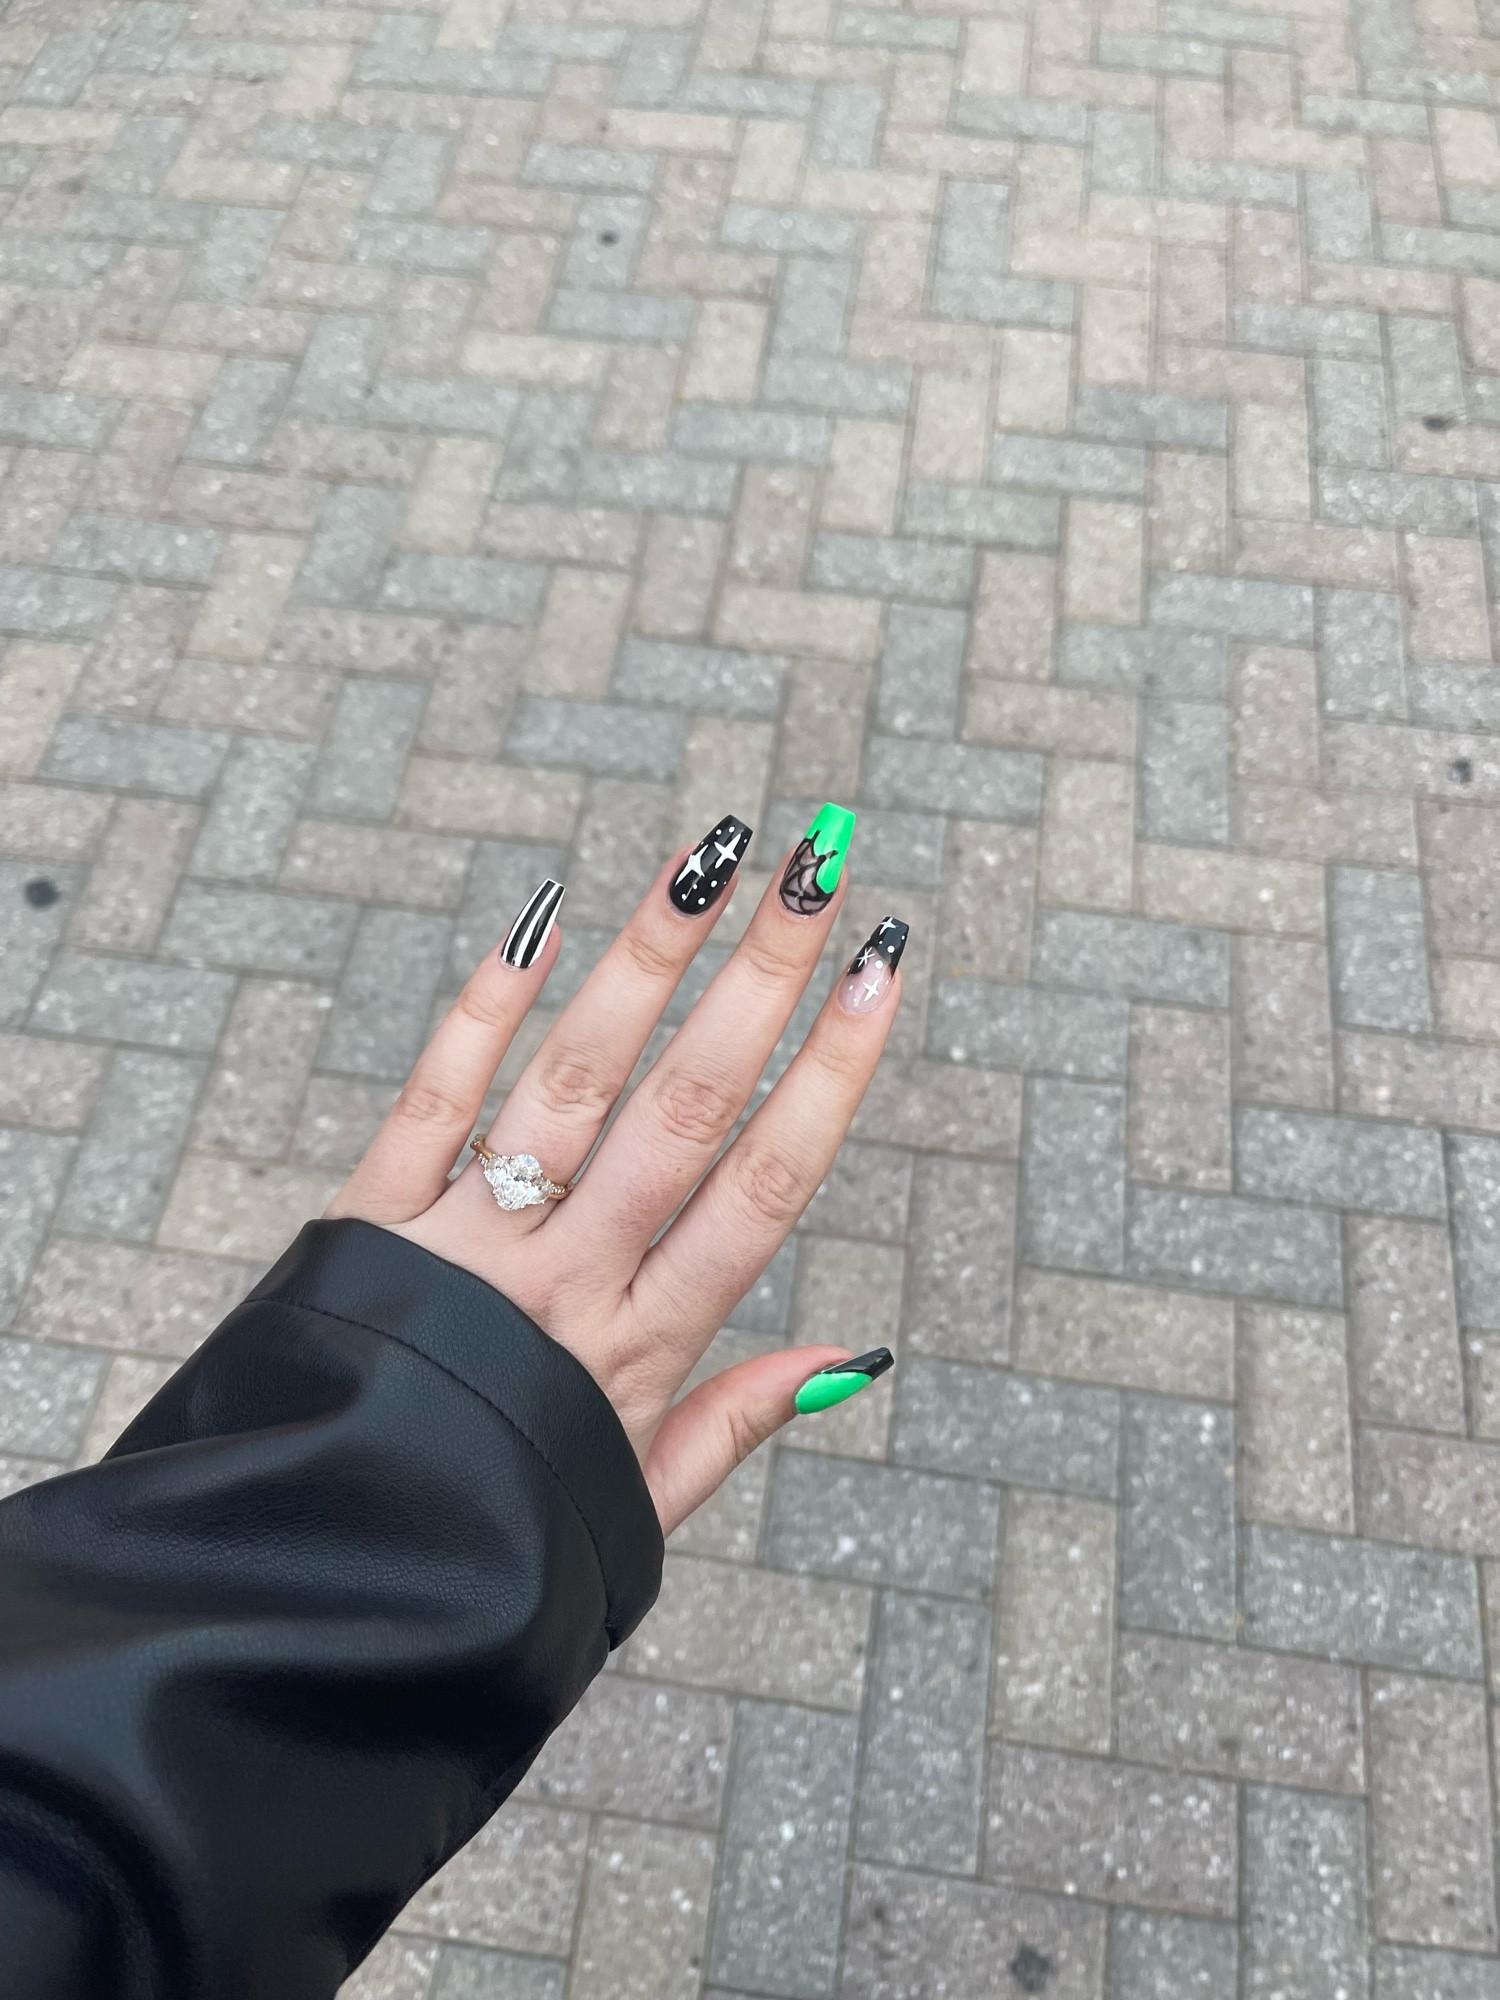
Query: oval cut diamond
x=516, y=1179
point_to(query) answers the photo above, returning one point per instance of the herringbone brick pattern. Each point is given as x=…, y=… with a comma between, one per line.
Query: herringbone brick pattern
x=448, y=445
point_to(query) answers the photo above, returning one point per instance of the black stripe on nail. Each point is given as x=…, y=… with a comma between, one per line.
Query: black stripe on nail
x=873, y=1364
x=705, y=875
x=528, y=933
x=887, y=941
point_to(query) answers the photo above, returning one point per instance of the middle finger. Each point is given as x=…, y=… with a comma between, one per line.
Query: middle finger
x=668, y=1133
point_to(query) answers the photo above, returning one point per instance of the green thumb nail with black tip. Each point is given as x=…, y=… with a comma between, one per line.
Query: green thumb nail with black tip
x=843, y=1380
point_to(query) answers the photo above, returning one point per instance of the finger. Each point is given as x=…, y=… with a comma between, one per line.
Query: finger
x=408, y=1162
x=562, y=1098
x=717, y=1425
x=669, y=1133
x=727, y=1234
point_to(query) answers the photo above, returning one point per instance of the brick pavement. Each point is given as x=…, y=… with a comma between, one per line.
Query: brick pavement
x=449, y=445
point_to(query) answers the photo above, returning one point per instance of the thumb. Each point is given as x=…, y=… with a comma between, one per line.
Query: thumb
x=703, y=1438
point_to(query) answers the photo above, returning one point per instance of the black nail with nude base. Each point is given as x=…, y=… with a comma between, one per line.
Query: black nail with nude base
x=533, y=926
x=872, y=968
x=709, y=869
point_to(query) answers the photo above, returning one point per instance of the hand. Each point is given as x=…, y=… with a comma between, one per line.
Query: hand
x=639, y=1266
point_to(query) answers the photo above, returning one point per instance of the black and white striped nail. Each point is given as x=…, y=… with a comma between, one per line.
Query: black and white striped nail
x=531, y=929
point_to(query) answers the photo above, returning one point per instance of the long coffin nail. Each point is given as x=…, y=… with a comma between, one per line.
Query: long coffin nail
x=533, y=927
x=813, y=872
x=705, y=875
x=873, y=966
x=843, y=1380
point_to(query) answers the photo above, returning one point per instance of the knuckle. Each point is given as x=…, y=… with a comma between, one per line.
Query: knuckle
x=426, y=1104
x=481, y=1003
x=745, y=1434
x=766, y=962
x=844, y=1063
x=647, y=957
x=770, y=1184
x=695, y=1105
x=571, y=1084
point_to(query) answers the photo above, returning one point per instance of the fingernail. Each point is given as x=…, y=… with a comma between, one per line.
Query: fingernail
x=873, y=966
x=533, y=927
x=843, y=1380
x=813, y=872
x=704, y=876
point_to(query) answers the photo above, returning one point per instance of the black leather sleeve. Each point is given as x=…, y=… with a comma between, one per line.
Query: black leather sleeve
x=295, y=1639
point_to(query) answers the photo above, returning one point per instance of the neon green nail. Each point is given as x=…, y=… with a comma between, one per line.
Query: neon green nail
x=843, y=1380
x=830, y=833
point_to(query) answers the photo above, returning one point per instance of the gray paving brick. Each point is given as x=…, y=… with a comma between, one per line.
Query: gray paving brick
x=620, y=316
x=774, y=437
x=136, y=756
x=348, y=551
x=625, y=742
x=29, y=932
x=1073, y=1180
x=1404, y=1973
x=64, y=423
x=1016, y=1027
x=1165, y=661
x=1185, y=773
x=1426, y=374
x=1397, y=500
x=52, y=607
x=239, y=419
x=411, y=176
x=466, y=1972
x=1230, y=180
x=476, y=587
x=59, y=71
x=1162, y=54
x=871, y=1524
x=1116, y=1832
x=837, y=388
x=881, y=31
x=1127, y=416
x=921, y=665
x=1361, y=654
x=1345, y=332
x=358, y=771
x=652, y=69
x=380, y=1017
x=1021, y=118
x=125, y=1165
x=1131, y=958
x=1360, y=1601
x=1350, y=426
x=233, y=254
x=708, y=679
x=908, y=1930
x=33, y=1169
x=666, y=482
x=1456, y=698
x=338, y=367
x=922, y=1772
x=253, y=808
x=1338, y=217
x=1010, y=520
x=137, y=551
x=890, y=567
x=1123, y=159
x=846, y=127
x=953, y=777
x=786, y=232
x=1305, y=1895
x=421, y=246
x=259, y=931
x=45, y=1397
x=776, y=1917
x=139, y=159
x=1220, y=1243
x=1236, y=606
x=1474, y=1181
x=550, y=165
x=1171, y=1958
x=322, y=145
x=607, y=236
x=1177, y=1553
x=1377, y=944
x=118, y=1000
x=472, y=409
x=1342, y=1162
x=1115, y=471
x=985, y=1424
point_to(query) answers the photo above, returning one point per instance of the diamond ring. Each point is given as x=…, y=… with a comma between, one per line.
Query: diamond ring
x=516, y=1179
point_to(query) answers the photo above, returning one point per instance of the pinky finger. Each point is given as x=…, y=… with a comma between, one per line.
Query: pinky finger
x=717, y=1425
x=407, y=1164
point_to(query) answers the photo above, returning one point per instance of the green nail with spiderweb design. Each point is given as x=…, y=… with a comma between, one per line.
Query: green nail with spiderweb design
x=843, y=1380
x=813, y=872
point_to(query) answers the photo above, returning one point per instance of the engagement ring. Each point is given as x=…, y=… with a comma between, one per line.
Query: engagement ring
x=516, y=1179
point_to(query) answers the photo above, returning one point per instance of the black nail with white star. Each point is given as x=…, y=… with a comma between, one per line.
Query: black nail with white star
x=887, y=941
x=705, y=875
